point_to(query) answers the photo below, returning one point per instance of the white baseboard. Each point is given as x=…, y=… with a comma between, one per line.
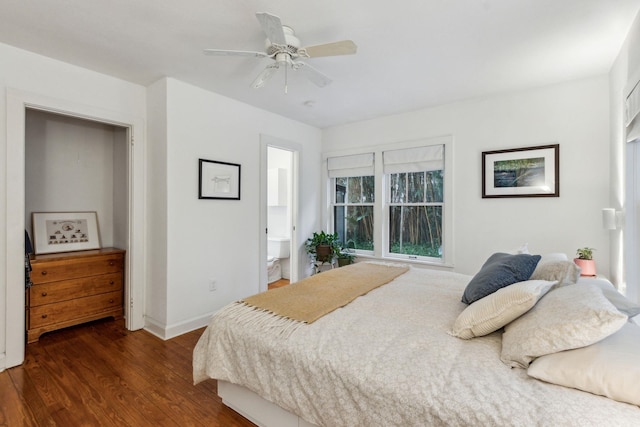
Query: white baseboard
x=166, y=332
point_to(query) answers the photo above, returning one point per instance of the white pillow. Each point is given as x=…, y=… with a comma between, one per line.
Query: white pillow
x=492, y=312
x=554, y=256
x=524, y=249
x=622, y=303
x=608, y=368
x=565, y=272
x=569, y=317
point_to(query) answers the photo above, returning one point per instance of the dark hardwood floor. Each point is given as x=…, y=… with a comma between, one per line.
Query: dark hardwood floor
x=100, y=374
x=279, y=283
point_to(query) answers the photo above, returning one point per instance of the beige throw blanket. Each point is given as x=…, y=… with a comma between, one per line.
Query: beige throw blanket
x=311, y=298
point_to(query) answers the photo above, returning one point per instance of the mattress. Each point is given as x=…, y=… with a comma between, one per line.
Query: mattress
x=387, y=359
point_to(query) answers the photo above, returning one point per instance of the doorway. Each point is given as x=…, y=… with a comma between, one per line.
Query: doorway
x=17, y=104
x=76, y=165
x=280, y=248
x=279, y=168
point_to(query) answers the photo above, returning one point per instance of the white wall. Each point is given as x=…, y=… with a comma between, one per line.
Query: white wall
x=574, y=114
x=71, y=165
x=215, y=239
x=66, y=84
x=156, y=286
x=625, y=243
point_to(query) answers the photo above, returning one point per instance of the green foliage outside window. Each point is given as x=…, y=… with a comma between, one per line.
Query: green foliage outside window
x=415, y=213
x=353, y=212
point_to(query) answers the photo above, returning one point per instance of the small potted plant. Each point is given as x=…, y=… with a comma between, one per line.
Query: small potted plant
x=323, y=246
x=585, y=261
x=345, y=257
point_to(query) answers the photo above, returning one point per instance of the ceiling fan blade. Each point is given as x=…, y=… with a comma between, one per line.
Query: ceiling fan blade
x=344, y=47
x=226, y=52
x=264, y=76
x=272, y=27
x=312, y=74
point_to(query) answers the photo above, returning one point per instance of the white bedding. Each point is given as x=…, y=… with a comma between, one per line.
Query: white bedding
x=386, y=359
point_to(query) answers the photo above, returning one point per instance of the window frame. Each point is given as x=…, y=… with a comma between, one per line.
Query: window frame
x=381, y=210
x=387, y=228
x=346, y=204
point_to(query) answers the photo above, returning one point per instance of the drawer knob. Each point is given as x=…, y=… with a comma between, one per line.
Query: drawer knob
x=44, y=272
x=44, y=294
x=111, y=301
x=111, y=263
x=111, y=282
x=44, y=316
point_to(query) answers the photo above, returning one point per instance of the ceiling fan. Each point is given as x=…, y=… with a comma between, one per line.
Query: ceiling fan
x=284, y=48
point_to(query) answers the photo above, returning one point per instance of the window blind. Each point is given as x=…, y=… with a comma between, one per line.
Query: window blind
x=416, y=159
x=354, y=165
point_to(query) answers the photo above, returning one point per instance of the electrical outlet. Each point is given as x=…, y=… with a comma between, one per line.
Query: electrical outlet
x=213, y=285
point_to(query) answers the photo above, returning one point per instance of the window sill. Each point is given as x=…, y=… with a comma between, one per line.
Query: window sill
x=414, y=262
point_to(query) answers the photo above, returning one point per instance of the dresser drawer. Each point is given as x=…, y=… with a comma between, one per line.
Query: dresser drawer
x=56, y=270
x=73, y=309
x=64, y=290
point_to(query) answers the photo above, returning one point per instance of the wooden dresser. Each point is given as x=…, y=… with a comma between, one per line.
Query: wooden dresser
x=72, y=288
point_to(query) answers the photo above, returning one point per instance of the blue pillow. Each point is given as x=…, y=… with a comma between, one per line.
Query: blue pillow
x=498, y=271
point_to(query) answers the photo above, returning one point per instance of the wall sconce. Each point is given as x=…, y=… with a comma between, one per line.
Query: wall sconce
x=612, y=219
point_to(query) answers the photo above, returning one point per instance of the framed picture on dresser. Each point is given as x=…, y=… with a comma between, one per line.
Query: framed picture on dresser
x=65, y=231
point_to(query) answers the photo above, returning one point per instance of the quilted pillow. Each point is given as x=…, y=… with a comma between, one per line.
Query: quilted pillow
x=569, y=317
x=608, y=368
x=498, y=271
x=501, y=307
x=565, y=272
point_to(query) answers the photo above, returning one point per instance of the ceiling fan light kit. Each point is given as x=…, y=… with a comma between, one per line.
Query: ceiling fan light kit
x=283, y=47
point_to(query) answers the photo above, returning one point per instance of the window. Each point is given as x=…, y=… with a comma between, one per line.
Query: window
x=394, y=202
x=353, y=211
x=415, y=213
x=415, y=181
x=353, y=198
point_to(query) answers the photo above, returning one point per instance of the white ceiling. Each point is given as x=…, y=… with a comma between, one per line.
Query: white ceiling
x=411, y=53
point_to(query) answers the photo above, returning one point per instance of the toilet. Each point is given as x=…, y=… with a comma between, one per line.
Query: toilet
x=277, y=249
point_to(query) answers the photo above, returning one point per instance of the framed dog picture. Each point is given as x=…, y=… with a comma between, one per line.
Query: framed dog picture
x=219, y=180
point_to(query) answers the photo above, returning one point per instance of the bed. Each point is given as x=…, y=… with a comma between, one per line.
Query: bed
x=387, y=358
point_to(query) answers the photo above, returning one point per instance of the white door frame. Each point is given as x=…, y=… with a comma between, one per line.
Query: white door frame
x=296, y=151
x=17, y=103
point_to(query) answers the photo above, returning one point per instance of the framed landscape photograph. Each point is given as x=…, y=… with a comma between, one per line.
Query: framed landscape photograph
x=65, y=231
x=218, y=180
x=521, y=172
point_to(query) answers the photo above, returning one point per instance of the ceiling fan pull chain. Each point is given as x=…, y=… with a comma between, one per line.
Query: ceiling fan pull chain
x=286, y=69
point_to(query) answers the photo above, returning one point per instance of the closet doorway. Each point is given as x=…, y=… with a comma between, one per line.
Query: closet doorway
x=127, y=128
x=77, y=165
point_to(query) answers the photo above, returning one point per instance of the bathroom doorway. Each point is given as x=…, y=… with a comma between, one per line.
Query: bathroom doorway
x=279, y=168
x=279, y=251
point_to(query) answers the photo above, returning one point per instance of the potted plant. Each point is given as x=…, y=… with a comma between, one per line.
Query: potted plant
x=323, y=246
x=585, y=261
x=345, y=257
